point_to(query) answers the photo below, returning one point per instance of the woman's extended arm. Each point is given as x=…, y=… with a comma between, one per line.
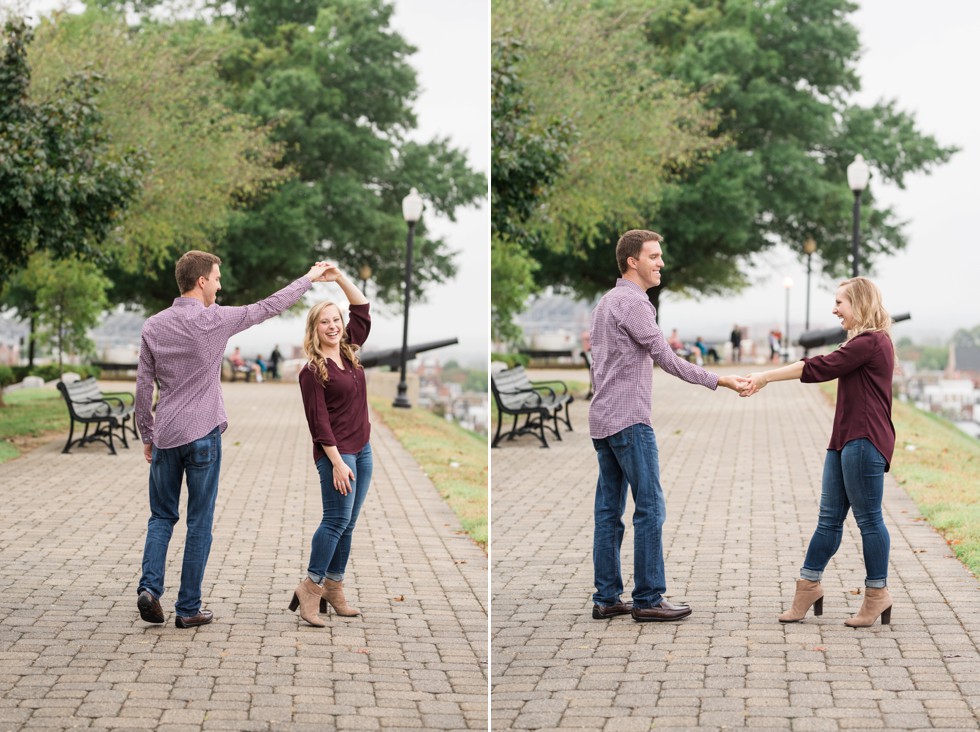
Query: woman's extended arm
x=790, y=372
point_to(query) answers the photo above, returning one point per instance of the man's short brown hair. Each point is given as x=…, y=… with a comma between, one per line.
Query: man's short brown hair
x=631, y=243
x=192, y=265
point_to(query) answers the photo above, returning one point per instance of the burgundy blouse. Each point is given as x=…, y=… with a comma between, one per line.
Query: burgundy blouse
x=863, y=367
x=337, y=411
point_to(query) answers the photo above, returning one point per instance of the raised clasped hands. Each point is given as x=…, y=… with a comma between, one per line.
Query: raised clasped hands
x=324, y=272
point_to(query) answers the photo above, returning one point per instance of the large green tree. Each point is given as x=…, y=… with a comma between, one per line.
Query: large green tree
x=63, y=186
x=585, y=134
x=334, y=81
x=163, y=93
x=780, y=74
x=528, y=154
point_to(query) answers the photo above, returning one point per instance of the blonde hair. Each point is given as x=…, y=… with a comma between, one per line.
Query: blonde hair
x=311, y=342
x=869, y=312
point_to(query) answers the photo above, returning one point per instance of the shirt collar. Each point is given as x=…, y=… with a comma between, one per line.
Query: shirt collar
x=623, y=282
x=187, y=302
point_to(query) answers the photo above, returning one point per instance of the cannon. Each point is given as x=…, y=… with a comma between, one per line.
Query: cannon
x=391, y=357
x=829, y=336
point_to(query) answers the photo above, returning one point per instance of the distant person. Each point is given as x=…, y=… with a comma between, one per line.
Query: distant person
x=241, y=365
x=274, y=360
x=774, y=341
x=736, y=340
x=263, y=367
x=678, y=346
x=626, y=342
x=181, y=349
x=335, y=399
x=861, y=446
x=708, y=353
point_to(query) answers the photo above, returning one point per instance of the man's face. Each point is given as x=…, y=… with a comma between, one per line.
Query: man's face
x=649, y=263
x=212, y=286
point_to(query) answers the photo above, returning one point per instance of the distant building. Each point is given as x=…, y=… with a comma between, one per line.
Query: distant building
x=964, y=362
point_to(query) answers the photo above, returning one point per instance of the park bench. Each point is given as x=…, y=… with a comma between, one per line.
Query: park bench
x=539, y=402
x=102, y=412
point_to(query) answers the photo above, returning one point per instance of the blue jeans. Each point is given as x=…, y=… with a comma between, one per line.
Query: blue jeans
x=629, y=458
x=853, y=478
x=332, y=539
x=200, y=460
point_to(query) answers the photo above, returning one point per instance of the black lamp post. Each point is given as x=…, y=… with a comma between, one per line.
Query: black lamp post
x=788, y=284
x=858, y=174
x=809, y=247
x=412, y=211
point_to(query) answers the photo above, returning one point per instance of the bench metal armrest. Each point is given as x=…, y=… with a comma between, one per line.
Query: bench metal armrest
x=119, y=396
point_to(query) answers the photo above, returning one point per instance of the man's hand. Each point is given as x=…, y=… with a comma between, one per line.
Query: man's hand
x=756, y=382
x=148, y=451
x=735, y=383
x=324, y=272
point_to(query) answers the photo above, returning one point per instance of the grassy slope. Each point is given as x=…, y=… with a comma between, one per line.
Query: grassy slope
x=455, y=460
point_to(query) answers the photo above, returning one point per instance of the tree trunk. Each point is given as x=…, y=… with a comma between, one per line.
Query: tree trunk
x=30, y=341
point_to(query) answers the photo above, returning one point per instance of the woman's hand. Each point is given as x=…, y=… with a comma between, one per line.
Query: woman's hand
x=342, y=476
x=756, y=382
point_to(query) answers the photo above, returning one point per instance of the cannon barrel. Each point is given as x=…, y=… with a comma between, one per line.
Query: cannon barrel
x=391, y=357
x=829, y=336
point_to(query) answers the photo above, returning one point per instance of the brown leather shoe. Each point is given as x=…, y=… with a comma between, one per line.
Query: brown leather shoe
x=604, y=612
x=149, y=608
x=665, y=611
x=202, y=618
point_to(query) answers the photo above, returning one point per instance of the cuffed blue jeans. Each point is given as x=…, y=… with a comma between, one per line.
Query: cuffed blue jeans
x=200, y=461
x=629, y=459
x=853, y=478
x=332, y=539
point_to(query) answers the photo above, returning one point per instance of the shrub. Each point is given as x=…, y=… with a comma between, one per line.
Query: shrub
x=511, y=359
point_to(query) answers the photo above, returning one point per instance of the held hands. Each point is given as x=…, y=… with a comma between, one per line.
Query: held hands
x=324, y=272
x=735, y=383
x=756, y=381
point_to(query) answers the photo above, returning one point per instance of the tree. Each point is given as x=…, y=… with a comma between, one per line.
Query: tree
x=967, y=336
x=528, y=155
x=780, y=75
x=162, y=92
x=63, y=187
x=70, y=298
x=334, y=81
x=574, y=80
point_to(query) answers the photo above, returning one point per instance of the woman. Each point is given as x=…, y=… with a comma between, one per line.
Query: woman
x=335, y=400
x=861, y=446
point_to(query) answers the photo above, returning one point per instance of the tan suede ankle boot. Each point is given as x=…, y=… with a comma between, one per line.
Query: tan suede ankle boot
x=877, y=601
x=307, y=596
x=333, y=593
x=807, y=593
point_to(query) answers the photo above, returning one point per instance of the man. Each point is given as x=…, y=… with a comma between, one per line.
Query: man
x=736, y=339
x=626, y=342
x=182, y=349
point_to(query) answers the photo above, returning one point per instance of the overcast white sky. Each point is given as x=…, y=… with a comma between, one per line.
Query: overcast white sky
x=453, y=69
x=927, y=58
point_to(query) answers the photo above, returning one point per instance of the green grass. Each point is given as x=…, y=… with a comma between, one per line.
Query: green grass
x=30, y=414
x=939, y=467
x=454, y=459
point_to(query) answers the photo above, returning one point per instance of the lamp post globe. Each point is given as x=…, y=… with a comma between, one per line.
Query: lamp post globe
x=412, y=206
x=858, y=175
x=364, y=273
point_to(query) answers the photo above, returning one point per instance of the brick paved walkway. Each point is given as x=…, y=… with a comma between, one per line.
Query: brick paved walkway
x=742, y=482
x=74, y=653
